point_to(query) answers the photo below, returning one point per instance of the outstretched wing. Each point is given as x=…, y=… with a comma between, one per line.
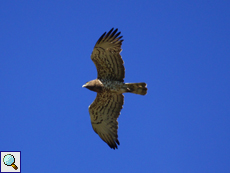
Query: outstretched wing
x=106, y=56
x=104, y=112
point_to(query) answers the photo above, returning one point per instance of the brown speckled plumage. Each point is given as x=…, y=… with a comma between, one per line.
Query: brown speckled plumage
x=110, y=87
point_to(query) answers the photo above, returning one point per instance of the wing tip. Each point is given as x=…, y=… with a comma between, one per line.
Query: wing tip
x=114, y=144
x=112, y=35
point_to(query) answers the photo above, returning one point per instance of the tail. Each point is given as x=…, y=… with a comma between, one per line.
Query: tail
x=137, y=88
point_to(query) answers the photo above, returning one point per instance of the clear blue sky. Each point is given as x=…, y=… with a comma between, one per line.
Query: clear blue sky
x=181, y=49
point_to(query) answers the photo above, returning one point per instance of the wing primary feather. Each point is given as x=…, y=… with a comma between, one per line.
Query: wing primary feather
x=117, y=142
x=111, y=141
x=112, y=37
x=117, y=35
x=118, y=39
x=114, y=32
x=99, y=40
x=108, y=140
x=107, y=35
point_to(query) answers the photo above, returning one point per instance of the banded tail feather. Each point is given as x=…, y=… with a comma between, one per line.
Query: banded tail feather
x=137, y=88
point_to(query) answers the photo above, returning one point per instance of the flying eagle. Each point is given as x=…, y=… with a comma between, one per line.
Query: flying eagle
x=110, y=86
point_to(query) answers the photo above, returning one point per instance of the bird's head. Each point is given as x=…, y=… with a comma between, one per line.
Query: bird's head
x=88, y=85
x=93, y=85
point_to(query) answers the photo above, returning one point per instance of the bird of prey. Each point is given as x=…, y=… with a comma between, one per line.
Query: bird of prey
x=110, y=86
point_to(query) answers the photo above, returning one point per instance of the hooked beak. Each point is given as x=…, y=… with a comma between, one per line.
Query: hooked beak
x=83, y=86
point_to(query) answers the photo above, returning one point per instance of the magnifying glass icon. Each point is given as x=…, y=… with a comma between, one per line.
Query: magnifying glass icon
x=9, y=160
